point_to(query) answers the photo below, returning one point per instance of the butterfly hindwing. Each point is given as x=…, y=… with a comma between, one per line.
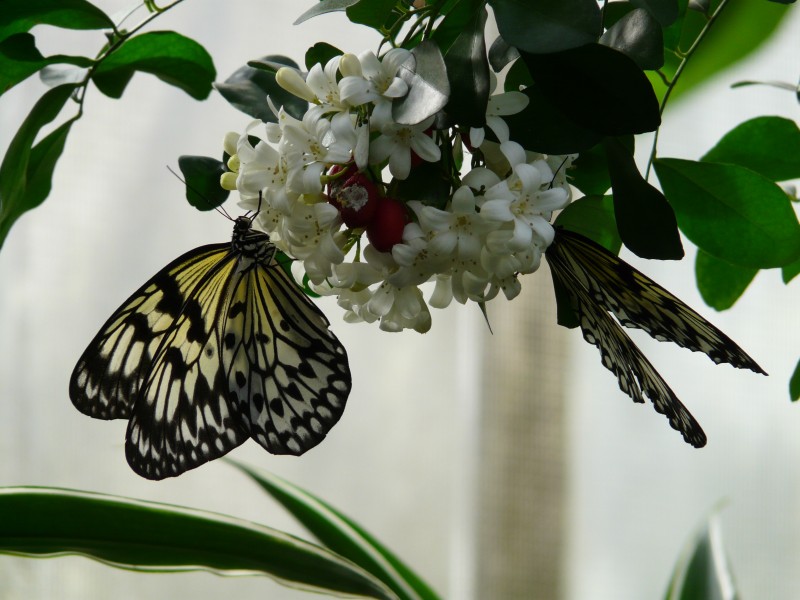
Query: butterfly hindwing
x=298, y=380
x=218, y=346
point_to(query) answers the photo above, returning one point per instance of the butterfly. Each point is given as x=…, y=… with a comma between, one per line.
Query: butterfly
x=221, y=345
x=599, y=284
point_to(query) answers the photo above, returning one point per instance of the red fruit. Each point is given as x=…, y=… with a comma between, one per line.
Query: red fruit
x=386, y=228
x=356, y=199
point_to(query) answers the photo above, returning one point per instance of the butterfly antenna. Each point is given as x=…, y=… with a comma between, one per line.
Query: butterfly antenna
x=221, y=210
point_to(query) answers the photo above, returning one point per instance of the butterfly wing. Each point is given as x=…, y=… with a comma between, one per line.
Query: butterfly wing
x=636, y=375
x=287, y=372
x=638, y=301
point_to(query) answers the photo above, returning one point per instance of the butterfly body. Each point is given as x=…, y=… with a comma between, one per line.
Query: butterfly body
x=219, y=346
x=599, y=284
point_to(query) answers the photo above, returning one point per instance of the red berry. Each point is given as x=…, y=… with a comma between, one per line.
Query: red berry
x=356, y=200
x=386, y=228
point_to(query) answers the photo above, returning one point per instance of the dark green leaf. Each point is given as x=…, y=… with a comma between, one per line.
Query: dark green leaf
x=547, y=25
x=614, y=11
x=201, y=175
x=543, y=127
x=703, y=571
x=597, y=87
x=663, y=11
x=19, y=59
x=518, y=77
x=18, y=16
x=767, y=145
x=428, y=87
x=322, y=7
x=320, y=53
x=589, y=172
x=592, y=217
x=426, y=182
x=372, y=13
x=794, y=384
x=501, y=54
x=790, y=271
x=721, y=283
x=731, y=212
x=159, y=537
x=638, y=35
x=340, y=534
x=248, y=87
x=460, y=17
x=23, y=160
x=468, y=73
x=645, y=220
x=172, y=57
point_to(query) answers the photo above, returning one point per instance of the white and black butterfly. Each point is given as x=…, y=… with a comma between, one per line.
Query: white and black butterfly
x=219, y=346
x=599, y=283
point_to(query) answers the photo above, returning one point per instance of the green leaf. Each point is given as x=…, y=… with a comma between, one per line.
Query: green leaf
x=159, y=537
x=18, y=16
x=26, y=171
x=605, y=90
x=372, y=13
x=663, y=11
x=731, y=212
x=19, y=59
x=172, y=57
x=794, y=384
x=589, y=172
x=645, y=220
x=703, y=571
x=426, y=182
x=201, y=175
x=741, y=28
x=428, y=85
x=461, y=16
x=543, y=127
x=341, y=535
x=638, y=35
x=322, y=7
x=593, y=217
x=790, y=271
x=248, y=87
x=767, y=145
x=721, y=283
x=547, y=25
x=320, y=53
x=468, y=74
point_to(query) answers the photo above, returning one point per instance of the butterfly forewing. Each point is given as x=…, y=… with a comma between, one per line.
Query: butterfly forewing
x=219, y=346
x=109, y=374
x=638, y=301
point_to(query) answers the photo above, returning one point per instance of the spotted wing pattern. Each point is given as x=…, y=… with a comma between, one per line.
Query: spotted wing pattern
x=199, y=359
x=599, y=283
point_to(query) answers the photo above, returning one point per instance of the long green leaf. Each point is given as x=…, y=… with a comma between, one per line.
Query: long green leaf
x=24, y=165
x=159, y=537
x=341, y=535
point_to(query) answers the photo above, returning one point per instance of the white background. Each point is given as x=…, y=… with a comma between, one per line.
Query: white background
x=399, y=459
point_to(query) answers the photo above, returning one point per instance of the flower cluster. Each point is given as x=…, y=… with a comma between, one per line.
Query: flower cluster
x=318, y=184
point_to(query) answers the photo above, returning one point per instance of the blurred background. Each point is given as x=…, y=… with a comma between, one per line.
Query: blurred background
x=504, y=465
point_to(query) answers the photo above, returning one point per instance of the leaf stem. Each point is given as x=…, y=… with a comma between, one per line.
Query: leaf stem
x=687, y=56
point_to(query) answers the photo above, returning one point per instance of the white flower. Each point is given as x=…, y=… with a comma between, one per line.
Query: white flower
x=499, y=105
x=376, y=82
x=396, y=142
x=400, y=308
